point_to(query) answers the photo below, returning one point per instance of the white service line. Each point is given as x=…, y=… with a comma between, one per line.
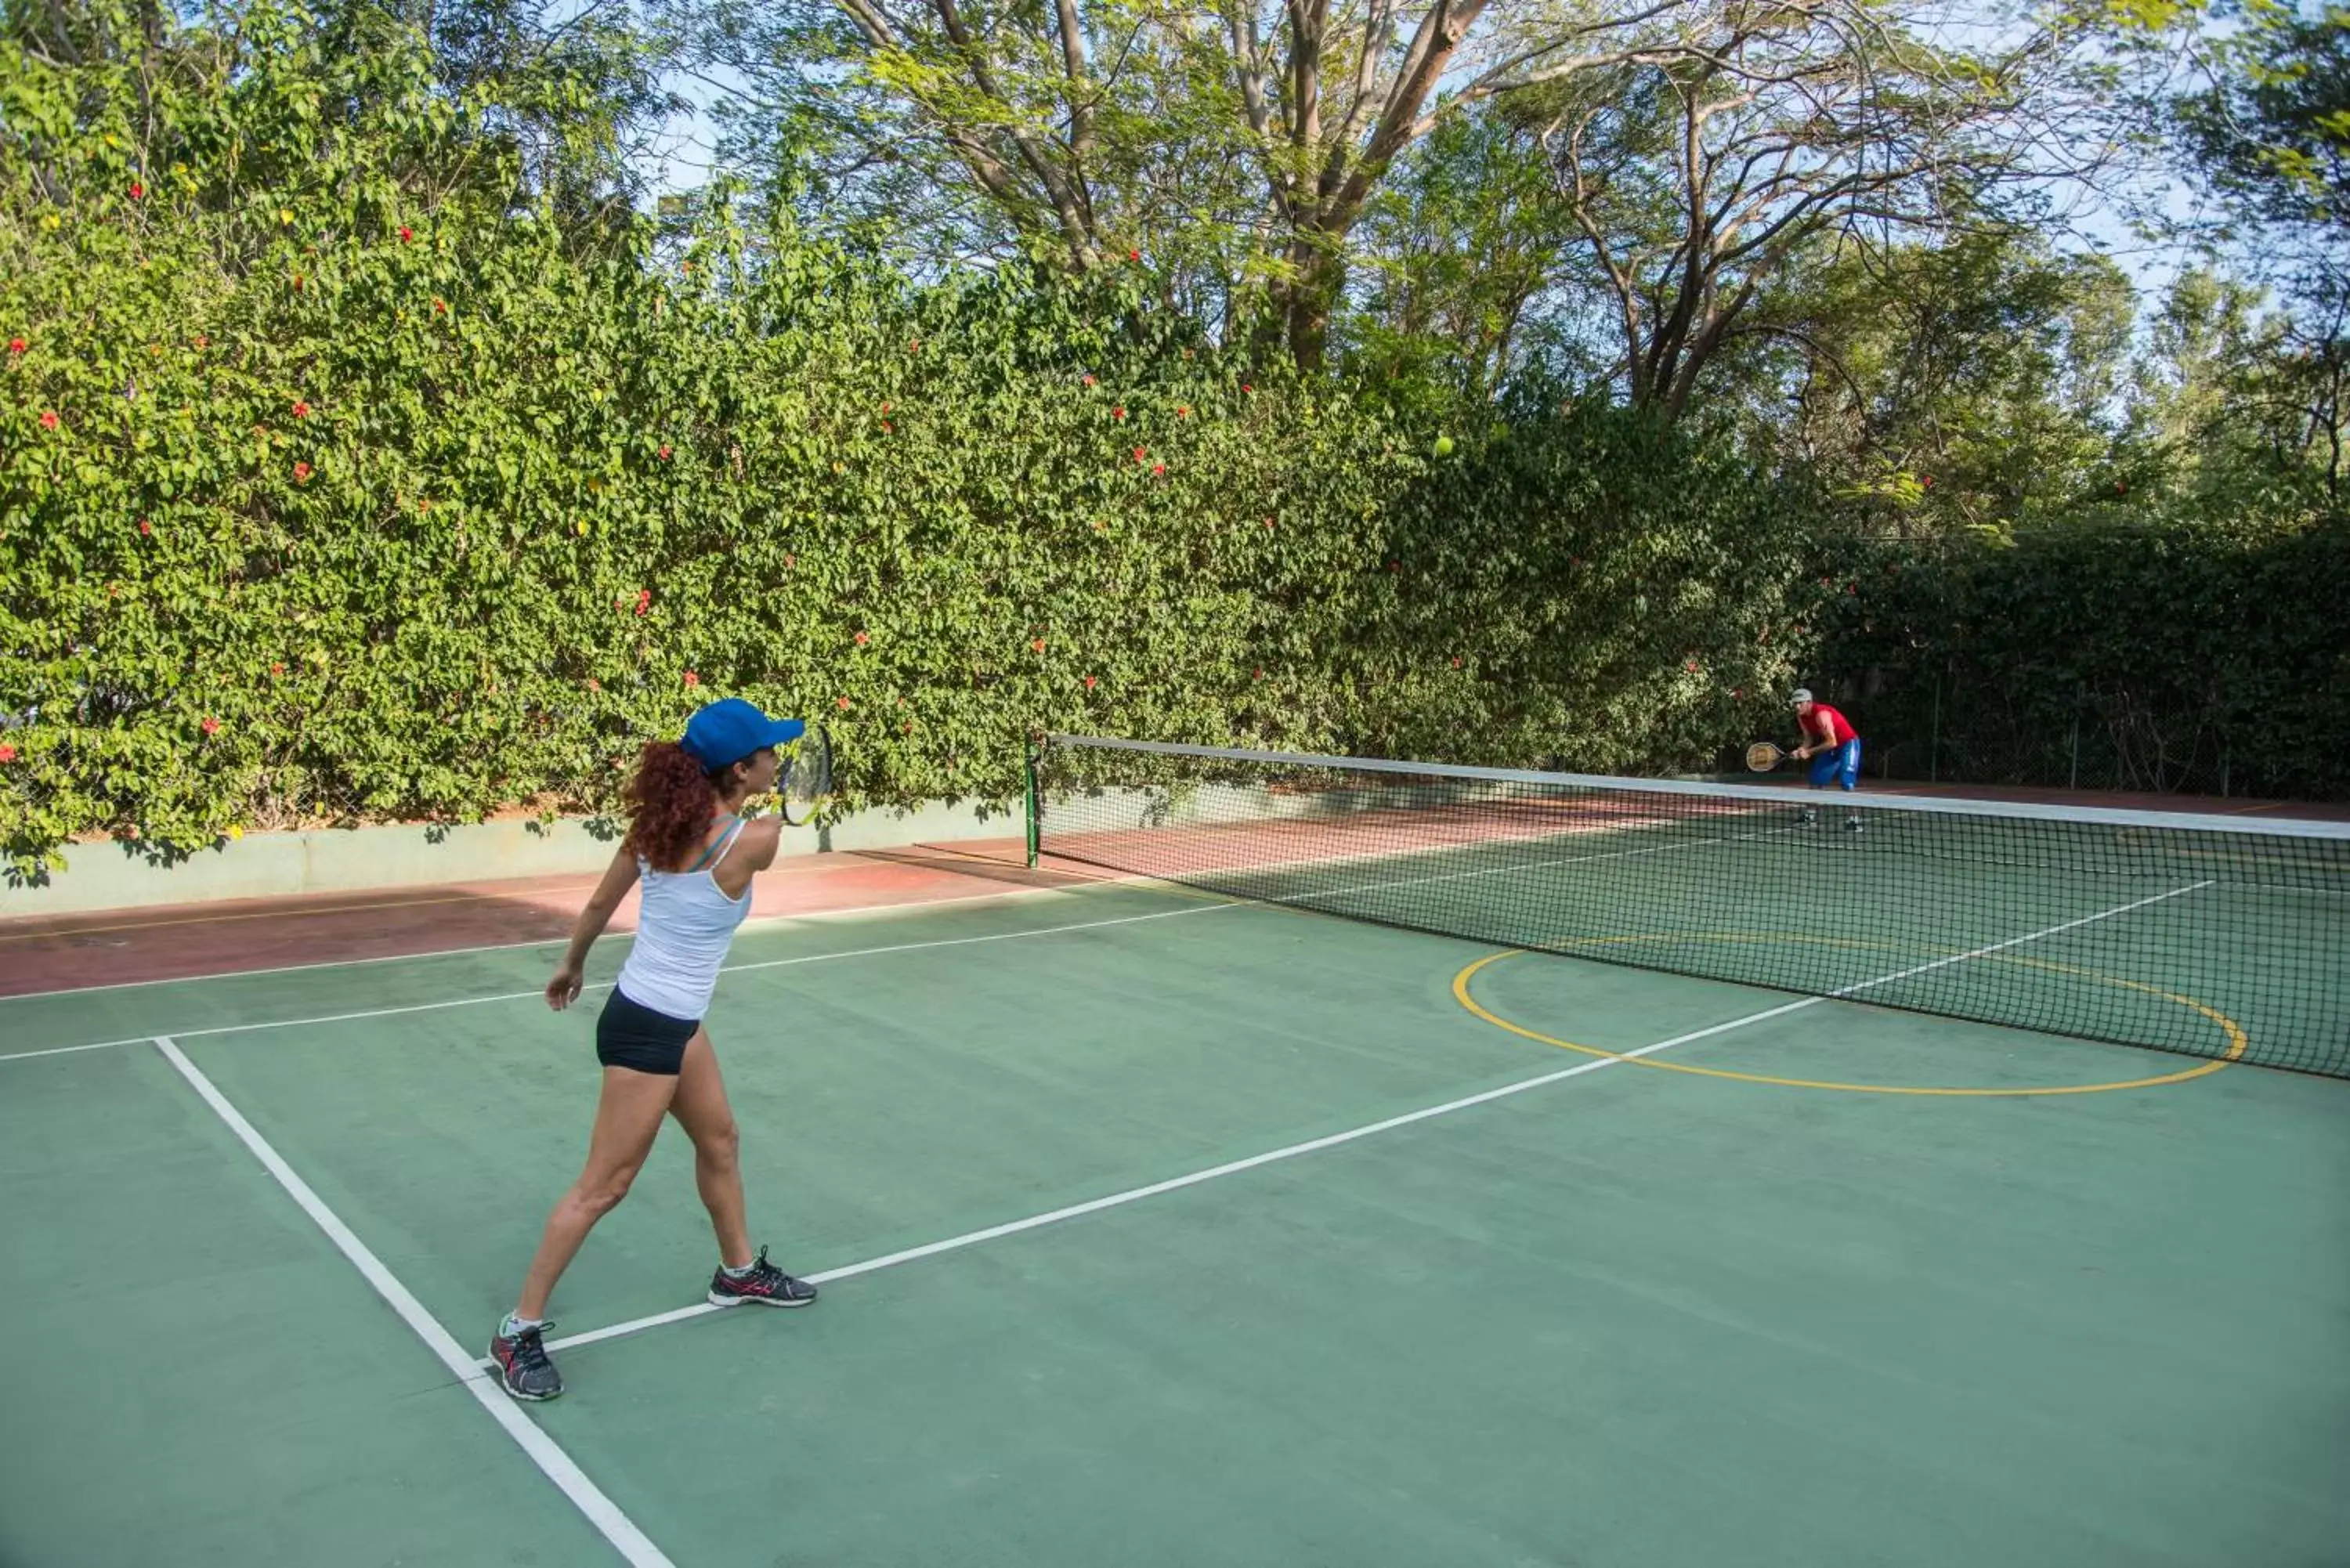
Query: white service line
x=1333, y=1140
x=606, y=984
x=1859, y=986
x=1193, y=1178
x=559, y=1466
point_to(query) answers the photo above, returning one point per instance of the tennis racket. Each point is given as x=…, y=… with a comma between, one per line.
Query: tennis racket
x=807, y=777
x=1763, y=756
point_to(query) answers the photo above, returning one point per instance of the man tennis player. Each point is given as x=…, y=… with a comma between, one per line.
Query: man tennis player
x=1831, y=745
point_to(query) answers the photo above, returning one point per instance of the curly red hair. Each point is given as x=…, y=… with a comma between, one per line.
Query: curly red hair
x=671, y=802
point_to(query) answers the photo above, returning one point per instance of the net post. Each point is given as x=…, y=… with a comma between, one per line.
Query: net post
x=2079, y=696
x=1934, y=735
x=1028, y=779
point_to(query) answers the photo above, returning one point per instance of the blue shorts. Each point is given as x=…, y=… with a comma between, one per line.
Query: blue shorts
x=1840, y=767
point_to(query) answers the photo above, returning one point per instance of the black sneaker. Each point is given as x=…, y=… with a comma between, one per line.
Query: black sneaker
x=765, y=1284
x=1807, y=816
x=524, y=1366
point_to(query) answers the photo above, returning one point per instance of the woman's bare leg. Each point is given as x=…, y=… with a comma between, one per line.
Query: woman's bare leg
x=627, y=1117
x=701, y=1109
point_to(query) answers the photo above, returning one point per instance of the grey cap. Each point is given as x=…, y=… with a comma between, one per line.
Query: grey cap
x=1803, y=695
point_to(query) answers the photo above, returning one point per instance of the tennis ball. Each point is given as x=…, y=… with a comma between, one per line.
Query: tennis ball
x=1444, y=446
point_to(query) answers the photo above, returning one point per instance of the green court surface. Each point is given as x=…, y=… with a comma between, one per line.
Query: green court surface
x=1374, y=1263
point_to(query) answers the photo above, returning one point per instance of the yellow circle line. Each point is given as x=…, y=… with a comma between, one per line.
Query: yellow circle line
x=2237, y=1043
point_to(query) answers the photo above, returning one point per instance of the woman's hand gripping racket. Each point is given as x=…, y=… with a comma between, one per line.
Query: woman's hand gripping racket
x=806, y=782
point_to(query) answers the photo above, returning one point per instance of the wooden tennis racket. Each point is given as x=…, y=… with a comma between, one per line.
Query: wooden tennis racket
x=807, y=783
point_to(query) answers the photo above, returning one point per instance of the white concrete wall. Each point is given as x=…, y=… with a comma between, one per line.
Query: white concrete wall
x=99, y=876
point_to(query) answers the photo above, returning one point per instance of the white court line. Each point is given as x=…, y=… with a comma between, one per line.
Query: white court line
x=535, y=942
x=1528, y=866
x=606, y=985
x=543, y=1451
x=862, y=952
x=1136, y=1194
x=1352, y=1135
x=1456, y=847
x=65, y=1050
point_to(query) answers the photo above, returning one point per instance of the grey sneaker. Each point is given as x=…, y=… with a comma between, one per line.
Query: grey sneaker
x=524, y=1366
x=764, y=1284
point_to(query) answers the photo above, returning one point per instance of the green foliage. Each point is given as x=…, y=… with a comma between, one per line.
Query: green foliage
x=2144, y=654
x=1594, y=585
x=1965, y=385
x=2273, y=129
x=332, y=493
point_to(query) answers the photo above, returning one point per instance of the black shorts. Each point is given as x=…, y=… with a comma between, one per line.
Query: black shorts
x=630, y=1034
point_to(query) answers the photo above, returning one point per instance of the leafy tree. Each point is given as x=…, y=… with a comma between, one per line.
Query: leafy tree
x=1979, y=383
x=1697, y=169
x=1250, y=142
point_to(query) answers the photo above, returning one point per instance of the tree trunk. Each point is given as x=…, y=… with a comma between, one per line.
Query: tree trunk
x=1302, y=303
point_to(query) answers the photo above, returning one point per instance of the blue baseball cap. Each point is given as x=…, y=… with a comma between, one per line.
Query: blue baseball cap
x=730, y=729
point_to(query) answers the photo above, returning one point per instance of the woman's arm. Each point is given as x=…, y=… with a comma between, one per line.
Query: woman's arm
x=619, y=877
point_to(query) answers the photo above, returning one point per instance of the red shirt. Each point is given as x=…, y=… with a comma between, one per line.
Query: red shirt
x=1823, y=718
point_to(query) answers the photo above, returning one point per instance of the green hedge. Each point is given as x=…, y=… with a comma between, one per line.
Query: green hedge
x=338, y=485
x=2210, y=655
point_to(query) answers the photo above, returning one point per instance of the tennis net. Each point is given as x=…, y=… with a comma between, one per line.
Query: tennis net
x=2208, y=936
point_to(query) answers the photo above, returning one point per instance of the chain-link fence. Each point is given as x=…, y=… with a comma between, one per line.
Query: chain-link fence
x=1937, y=726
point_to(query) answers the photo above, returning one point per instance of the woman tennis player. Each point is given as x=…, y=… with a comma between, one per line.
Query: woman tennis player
x=688, y=844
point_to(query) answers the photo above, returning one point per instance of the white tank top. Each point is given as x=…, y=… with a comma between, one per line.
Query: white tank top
x=685, y=923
